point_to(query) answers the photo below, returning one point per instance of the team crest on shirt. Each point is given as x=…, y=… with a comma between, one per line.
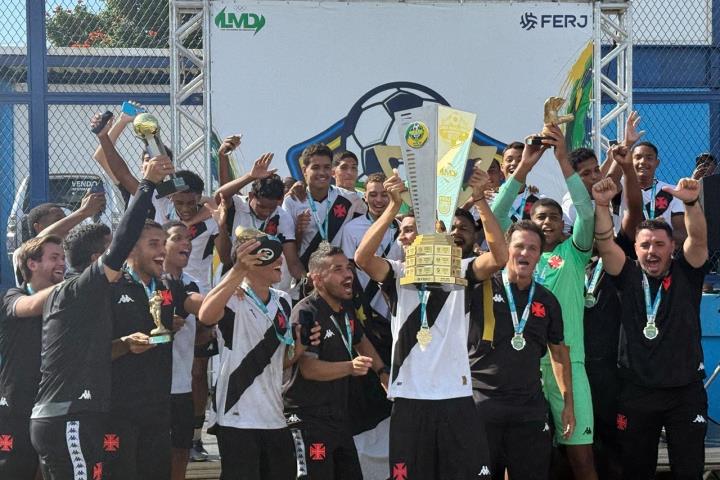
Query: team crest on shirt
x=317, y=451
x=667, y=281
x=339, y=211
x=555, y=262
x=6, y=443
x=399, y=471
x=97, y=471
x=538, y=310
x=621, y=422
x=111, y=442
x=271, y=227
x=167, y=298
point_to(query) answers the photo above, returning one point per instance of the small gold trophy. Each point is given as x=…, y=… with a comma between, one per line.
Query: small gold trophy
x=159, y=334
x=552, y=117
x=435, y=153
x=147, y=127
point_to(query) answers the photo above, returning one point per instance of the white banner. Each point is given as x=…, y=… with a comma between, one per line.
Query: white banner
x=288, y=74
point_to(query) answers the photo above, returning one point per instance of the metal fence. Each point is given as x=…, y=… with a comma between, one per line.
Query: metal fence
x=63, y=60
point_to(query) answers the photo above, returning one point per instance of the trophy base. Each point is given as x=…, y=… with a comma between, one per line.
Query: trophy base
x=536, y=140
x=158, y=338
x=168, y=187
x=433, y=261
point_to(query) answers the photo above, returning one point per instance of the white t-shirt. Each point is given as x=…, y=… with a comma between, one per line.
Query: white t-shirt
x=352, y=235
x=249, y=386
x=339, y=208
x=665, y=204
x=183, y=350
x=442, y=371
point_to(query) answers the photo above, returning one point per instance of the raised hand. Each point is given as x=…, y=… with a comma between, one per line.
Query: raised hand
x=532, y=153
x=97, y=120
x=245, y=260
x=621, y=154
x=360, y=366
x=395, y=186
x=557, y=140
x=261, y=166
x=479, y=181
x=687, y=190
x=604, y=191
x=297, y=191
x=158, y=168
x=220, y=213
x=92, y=203
x=230, y=143
x=631, y=129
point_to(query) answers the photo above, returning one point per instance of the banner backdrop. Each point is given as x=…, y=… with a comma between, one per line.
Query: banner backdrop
x=288, y=74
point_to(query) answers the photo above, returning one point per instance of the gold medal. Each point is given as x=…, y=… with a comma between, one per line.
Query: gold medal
x=424, y=337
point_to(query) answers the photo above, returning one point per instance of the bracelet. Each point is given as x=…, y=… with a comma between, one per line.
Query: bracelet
x=690, y=204
x=599, y=234
x=605, y=237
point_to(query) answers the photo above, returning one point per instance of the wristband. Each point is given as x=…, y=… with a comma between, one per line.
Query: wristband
x=690, y=204
x=600, y=234
x=604, y=237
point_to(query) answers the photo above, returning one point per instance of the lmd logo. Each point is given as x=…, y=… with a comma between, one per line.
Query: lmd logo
x=248, y=22
x=529, y=21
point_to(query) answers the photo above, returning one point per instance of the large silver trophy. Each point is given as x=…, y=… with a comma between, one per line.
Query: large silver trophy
x=435, y=151
x=146, y=127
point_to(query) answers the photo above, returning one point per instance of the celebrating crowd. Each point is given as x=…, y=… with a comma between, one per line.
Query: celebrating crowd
x=578, y=331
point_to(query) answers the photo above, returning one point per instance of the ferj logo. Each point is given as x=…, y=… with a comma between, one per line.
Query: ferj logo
x=247, y=22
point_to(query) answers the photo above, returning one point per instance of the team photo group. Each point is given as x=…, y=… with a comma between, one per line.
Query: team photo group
x=406, y=325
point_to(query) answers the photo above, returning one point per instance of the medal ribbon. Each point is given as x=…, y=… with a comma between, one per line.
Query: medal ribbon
x=322, y=226
x=423, y=296
x=519, y=326
x=348, y=330
x=651, y=313
x=254, y=217
x=592, y=280
x=30, y=290
x=285, y=338
x=652, y=202
x=540, y=277
x=149, y=290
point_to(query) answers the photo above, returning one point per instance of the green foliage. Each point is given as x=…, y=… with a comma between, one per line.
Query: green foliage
x=121, y=23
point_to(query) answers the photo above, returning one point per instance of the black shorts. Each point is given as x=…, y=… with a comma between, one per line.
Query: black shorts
x=182, y=417
x=207, y=350
x=325, y=449
x=18, y=458
x=433, y=439
x=70, y=447
x=137, y=444
x=642, y=412
x=253, y=454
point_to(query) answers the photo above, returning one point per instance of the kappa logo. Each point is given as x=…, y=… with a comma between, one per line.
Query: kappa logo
x=4, y=402
x=86, y=395
x=124, y=298
x=588, y=431
x=546, y=428
x=699, y=419
x=328, y=334
x=293, y=419
x=498, y=298
x=484, y=471
x=700, y=368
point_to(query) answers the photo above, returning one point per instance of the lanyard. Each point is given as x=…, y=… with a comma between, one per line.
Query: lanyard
x=386, y=249
x=285, y=338
x=29, y=288
x=423, y=295
x=651, y=312
x=321, y=226
x=652, y=202
x=348, y=330
x=519, y=326
x=592, y=280
x=149, y=290
x=520, y=212
x=254, y=217
x=540, y=277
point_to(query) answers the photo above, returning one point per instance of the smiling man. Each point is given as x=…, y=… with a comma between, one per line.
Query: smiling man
x=660, y=358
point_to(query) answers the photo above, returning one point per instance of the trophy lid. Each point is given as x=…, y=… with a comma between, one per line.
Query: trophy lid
x=146, y=124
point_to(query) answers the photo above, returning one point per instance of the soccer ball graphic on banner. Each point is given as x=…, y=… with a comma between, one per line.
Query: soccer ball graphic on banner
x=370, y=122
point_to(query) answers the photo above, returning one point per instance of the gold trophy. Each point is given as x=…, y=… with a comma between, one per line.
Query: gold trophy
x=146, y=127
x=552, y=117
x=159, y=334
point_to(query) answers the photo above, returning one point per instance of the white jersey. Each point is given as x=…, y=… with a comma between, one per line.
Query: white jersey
x=442, y=370
x=249, y=386
x=337, y=209
x=665, y=204
x=352, y=235
x=183, y=348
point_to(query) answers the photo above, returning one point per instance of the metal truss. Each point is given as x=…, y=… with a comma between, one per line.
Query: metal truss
x=189, y=74
x=612, y=70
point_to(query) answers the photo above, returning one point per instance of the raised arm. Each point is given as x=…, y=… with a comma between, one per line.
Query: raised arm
x=114, y=134
x=229, y=144
x=612, y=255
x=91, y=205
x=485, y=265
x=259, y=171
x=114, y=161
x=365, y=257
x=213, y=305
x=633, y=192
x=695, y=246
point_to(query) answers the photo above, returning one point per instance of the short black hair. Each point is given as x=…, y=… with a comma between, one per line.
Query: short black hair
x=36, y=214
x=513, y=146
x=83, y=242
x=655, y=224
x=319, y=149
x=192, y=180
x=271, y=187
x=325, y=250
x=647, y=144
x=340, y=156
x=580, y=155
x=546, y=202
x=462, y=213
x=525, y=226
x=172, y=224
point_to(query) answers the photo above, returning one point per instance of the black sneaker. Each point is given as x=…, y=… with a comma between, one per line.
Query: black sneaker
x=198, y=452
